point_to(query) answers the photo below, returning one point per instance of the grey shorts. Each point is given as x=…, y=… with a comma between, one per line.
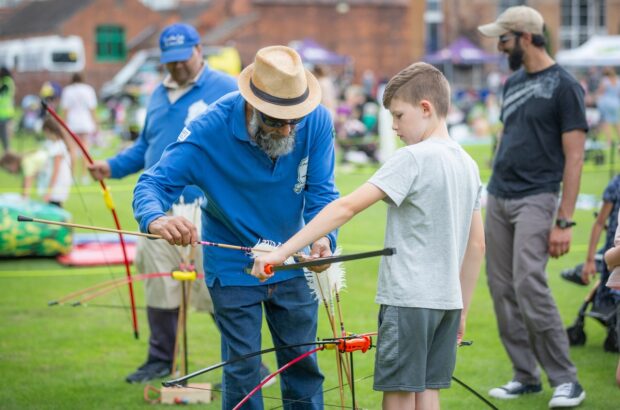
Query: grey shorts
x=416, y=348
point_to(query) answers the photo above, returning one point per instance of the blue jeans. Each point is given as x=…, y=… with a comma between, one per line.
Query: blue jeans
x=291, y=314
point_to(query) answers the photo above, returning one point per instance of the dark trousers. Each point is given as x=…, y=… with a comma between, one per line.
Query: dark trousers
x=163, y=325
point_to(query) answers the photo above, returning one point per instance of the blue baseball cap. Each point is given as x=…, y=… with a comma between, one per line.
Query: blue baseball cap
x=177, y=42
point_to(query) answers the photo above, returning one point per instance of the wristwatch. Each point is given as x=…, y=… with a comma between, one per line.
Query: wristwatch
x=564, y=223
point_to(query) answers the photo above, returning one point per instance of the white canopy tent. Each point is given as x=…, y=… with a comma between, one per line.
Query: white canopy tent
x=597, y=51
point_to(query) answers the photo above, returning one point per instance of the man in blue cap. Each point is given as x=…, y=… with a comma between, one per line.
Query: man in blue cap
x=185, y=93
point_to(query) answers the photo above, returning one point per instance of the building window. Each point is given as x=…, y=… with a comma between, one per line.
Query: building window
x=433, y=19
x=581, y=19
x=111, y=43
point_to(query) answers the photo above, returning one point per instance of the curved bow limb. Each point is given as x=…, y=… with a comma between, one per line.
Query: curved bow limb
x=274, y=374
x=110, y=205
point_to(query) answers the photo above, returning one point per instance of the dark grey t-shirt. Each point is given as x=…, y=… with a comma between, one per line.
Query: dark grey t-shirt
x=537, y=108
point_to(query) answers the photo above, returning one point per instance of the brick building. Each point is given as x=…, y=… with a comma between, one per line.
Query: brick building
x=380, y=35
x=110, y=30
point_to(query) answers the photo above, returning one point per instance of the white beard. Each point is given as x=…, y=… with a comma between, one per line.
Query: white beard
x=272, y=146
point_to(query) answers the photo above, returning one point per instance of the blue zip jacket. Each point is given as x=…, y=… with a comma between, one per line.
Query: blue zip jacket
x=164, y=122
x=249, y=196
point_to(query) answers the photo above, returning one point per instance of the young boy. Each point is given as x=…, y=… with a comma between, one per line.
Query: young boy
x=612, y=259
x=432, y=188
x=49, y=166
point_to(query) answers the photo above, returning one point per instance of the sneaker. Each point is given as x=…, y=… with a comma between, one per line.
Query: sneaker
x=567, y=395
x=264, y=372
x=514, y=389
x=149, y=371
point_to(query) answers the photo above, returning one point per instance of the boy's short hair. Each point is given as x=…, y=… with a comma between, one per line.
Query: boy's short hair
x=419, y=81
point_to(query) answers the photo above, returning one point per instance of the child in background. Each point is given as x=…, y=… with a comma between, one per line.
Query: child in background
x=612, y=259
x=54, y=180
x=432, y=188
x=49, y=166
x=28, y=165
x=606, y=218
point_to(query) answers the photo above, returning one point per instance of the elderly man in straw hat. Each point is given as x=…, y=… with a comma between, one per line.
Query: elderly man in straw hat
x=541, y=148
x=264, y=157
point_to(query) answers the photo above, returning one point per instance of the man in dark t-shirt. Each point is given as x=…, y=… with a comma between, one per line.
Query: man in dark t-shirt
x=541, y=150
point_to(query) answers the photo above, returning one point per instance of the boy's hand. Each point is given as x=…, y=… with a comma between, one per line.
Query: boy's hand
x=99, y=170
x=275, y=257
x=176, y=230
x=461, y=332
x=320, y=249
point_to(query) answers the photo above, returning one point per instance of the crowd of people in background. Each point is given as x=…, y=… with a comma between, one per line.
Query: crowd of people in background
x=579, y=107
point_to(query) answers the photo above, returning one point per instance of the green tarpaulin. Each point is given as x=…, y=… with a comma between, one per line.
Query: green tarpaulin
x=31, y=238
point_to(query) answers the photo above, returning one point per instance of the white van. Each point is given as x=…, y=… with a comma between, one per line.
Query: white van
x=49, y=53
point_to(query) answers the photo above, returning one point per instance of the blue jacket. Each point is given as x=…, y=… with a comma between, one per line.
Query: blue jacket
x=249, y=196
x=164, y=122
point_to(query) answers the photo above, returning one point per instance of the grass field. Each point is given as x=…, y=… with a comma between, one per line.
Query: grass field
x=77, y=357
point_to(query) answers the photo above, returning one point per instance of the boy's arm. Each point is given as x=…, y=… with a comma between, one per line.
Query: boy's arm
x=334, y=215
x=470, y=269
x=27, y=188
x=589, y=267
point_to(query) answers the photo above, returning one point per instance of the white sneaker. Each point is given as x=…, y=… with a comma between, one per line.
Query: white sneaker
x=567, y=395
x=514, y=389
x=265, y=372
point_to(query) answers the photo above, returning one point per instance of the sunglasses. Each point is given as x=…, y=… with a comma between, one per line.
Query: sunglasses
x=276, y=122
x=504, y=38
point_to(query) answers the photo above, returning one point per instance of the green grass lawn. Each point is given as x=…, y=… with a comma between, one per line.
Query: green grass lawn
x=77, y=357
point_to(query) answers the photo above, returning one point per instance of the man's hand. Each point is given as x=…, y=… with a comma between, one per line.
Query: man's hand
x=176, y=230
x=320, y=249
x=559, y=241
x=99, y=170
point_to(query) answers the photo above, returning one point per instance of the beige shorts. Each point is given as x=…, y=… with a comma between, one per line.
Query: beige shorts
x=158, y=256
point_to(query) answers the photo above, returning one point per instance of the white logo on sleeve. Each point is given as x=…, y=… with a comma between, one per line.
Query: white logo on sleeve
x=195, y=110
x=302, y=171
x=183, y=135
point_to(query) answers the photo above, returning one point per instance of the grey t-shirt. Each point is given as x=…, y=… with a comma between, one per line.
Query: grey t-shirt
x=432, y=189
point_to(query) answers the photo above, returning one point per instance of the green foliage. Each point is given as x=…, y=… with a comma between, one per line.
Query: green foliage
x=64, y=357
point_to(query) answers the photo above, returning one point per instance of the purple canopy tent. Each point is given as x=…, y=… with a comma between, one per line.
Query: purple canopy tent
x=462, y=53
x=313, y=53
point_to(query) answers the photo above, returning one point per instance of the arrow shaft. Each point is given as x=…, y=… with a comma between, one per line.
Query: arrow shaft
x=248, y=249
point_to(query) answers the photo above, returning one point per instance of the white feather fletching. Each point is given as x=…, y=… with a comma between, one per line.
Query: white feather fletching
x=323, y=285
x=263, y=246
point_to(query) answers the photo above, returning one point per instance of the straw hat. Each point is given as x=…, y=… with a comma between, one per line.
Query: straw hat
x=278, y=85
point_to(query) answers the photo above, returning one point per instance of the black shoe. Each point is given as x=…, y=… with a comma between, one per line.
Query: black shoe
x=573, y=275
x=149, y=371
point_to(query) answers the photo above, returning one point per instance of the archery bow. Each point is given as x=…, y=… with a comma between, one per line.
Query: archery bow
x=107, y=197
